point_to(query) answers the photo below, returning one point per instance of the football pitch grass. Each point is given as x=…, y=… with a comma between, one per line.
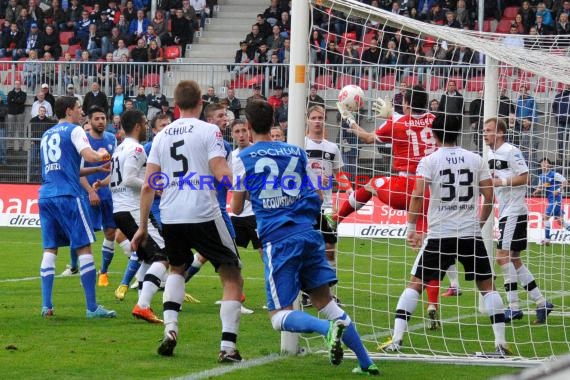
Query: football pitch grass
x=70, y=346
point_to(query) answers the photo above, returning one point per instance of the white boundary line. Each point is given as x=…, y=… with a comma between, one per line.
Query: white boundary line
x=222, y=370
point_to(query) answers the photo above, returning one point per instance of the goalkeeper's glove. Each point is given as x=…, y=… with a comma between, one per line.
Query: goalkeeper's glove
x=345, y=114
x=382, y=108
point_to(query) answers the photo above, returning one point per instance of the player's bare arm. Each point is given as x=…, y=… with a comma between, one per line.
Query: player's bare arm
x=238, y=201
x=98, y=155
x=147, y=196
x=106, y=168
x=517, y=180
x=91, y=192
x=219, y=167
x=486, y=190
x=414, y=210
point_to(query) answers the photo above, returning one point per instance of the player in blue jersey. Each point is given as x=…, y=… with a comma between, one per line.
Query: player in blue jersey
x=63, y=218
x=286, y=205
x=552, y=183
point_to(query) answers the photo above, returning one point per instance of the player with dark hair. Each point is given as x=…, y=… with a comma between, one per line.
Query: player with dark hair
x=191, y=217
x=412, y=139
x=552, y=183
x=510, y=177
x=455, y=178
x=286, y=205
x=63, y=217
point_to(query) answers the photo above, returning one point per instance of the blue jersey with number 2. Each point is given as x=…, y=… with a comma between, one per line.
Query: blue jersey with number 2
x=282, y=194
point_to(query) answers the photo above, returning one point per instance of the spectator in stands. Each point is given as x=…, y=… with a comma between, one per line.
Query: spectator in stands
x=202, y=11
x=121, y=49
x=155, y=100
x=129, y=12
x=165, y=110
x=256, y=94
x=546, y=14
x=462, y=14
x=16, y=114
x=13, y=11
x=51, y=42
x=476, y=118
x=563, y=26
x=141, y=101
x=70, y=91
x=275, y=40
x=96, y=45
x=105, y=25
x=113, y=11
x=451, y=21
x=142, y=5
x=154, y=55
x=275, y=99
x=48, y=96
x=285, y=53
x=506, y=107
x=73, y=15
x=282, y=111
x=273, y=13
x=371, y=58
x=541, y=27
x=49, y=70
x=285, y=23
x=114, y=126
x=561, y=111
x=277, y=73
x=451, y=101
x=314, y=99
x=32, y=71
x=513, y=39
x=265, y=28
x=434, y=106
x=243, y=61
x=95, y=97
x=436, y=15
x=95, y=13
x=462, y=56
x=150, y=35
x=140, y=52
x=36, y=13
x=123, y=25
x=525, y=112
x=234, y=103
x=68, y=70
x=24, y=21
x=13, y=43
x=351, y=59
x=491, y=9
x=398, y=99
x=38, y=125
x=518, y=22
x=391, y=56
x=139, y=25
x=208, y=98
x=253, y=40
x=182, y=32
x=161, y=28
x=190, y=14
x=34, y=41
x=82, y=27
x=565, y=8
x=261, y=56
x=117, y=105
x=41, y=102
x=527, y=15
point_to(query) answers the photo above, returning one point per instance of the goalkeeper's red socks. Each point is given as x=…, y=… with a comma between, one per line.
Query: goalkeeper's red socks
x=355, y=202
x=432, y=290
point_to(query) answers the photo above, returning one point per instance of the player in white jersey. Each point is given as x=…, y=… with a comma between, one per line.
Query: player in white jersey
x=184, y=160
x=455, y=178
x=510, y=178
x=125, y=181
x=244, y=223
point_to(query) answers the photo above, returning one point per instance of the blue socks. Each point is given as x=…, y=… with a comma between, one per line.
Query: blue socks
x=301, y=322
x=108, y=251
x=88, y=279
x=352, y=341
x=73, y=257
x=47, y=273
x=131, y=270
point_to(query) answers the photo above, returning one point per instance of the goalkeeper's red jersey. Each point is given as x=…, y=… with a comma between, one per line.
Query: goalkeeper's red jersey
x=411, y=139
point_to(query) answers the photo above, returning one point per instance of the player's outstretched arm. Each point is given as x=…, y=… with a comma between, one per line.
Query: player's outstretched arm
x=85, y=171
x=486, y=190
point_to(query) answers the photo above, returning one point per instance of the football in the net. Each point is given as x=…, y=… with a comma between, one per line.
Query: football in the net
x=352, y=97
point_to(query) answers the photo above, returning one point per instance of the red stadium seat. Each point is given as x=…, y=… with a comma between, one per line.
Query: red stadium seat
x=518, y=83
x=510, y=12
x=64, y=37
x=344, y=80
x=506, y=71
x=239, y=82
x=73, y=49
x=5, y=64
x=525, y=75
x=543, y=85
x=387, y=83
x=256, y=80
x=435, y=83
x=411, y=80
x=486, y=26
x=149, y=80
x=368, y=38
x=503, y=26
x=475, y=84
x=323, y=82
x=172, y=52
x=8, y=80
x=366, y=83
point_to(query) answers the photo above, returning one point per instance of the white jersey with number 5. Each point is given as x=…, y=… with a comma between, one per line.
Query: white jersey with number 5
x=453, y=174
x=183, y=150
x=127, y=175
x=507, y=162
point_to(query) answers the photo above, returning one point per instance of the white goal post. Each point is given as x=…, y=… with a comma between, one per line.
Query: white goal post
x=373, y=263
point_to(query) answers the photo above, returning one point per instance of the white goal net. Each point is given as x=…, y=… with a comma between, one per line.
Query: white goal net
x=522, y=79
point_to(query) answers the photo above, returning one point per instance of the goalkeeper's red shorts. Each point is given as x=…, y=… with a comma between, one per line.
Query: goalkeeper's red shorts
x=396, y=192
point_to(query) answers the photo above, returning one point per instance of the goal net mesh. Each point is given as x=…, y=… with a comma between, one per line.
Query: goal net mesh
x=382, y=52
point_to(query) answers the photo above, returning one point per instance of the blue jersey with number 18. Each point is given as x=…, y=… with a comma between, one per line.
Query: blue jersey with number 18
x=281, y=190
x=60, y=160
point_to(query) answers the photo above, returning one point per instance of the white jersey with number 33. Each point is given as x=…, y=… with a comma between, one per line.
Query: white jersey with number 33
x=127, y=175
x=453, y=174
x=183, y=150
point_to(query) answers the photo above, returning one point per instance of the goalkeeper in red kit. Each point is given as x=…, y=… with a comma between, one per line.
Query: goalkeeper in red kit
x=411, y=137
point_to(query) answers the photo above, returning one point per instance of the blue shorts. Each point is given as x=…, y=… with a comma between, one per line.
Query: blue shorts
x=65, y=222
x=554, y=209
x=295, y=263
x=102, y=215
